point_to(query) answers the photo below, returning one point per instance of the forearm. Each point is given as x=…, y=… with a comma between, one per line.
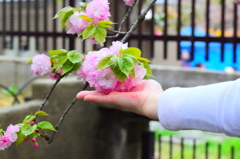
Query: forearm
x=214, y=108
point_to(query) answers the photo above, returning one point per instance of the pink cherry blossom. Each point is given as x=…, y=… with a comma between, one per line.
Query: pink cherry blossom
x=117, y=46
x=128, y=2
x=9, y=137
x=5, y=142
x=94, y=41
x=11, y=132
x=75, y=24
x=55, y=75
x=131, y=82
x=98, y=10
x=41, y=64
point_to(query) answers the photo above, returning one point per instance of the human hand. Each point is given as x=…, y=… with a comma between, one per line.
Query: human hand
x=142, y=99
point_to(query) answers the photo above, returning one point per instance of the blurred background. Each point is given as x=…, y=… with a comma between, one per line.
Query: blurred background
x=179, y=34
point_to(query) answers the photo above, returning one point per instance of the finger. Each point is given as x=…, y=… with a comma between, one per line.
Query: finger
x=82, y=94
x=100, y=98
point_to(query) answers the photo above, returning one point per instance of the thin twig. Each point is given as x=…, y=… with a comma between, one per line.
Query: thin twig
x=123, y=21
x=117, y=31
x=16, y=100
x=65, y=113
x=26, y=83
x=138, y=21
x=49, y=94
x=44, y=135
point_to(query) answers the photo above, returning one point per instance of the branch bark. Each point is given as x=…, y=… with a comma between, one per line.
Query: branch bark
x=140, y=18
x=49, y=94
x=123, y=21
x=65, y=113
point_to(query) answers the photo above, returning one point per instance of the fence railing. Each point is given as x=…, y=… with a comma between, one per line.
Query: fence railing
x=33, y=18
x=175, y=147
x=189, y=148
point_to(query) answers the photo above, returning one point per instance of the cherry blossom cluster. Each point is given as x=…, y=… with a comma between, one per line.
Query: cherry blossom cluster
x=97, y=10
x=8, y=137
x=105, y=80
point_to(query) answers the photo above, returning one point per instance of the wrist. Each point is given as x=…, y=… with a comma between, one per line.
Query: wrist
x=152, y=104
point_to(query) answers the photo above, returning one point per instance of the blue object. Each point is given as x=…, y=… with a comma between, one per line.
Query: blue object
x=214, y=61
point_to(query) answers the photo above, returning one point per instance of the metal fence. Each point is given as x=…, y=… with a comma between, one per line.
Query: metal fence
x=33, y=18
x=174, y=147
x=187, y=148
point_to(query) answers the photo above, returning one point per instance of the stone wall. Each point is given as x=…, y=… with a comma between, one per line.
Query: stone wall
x=14, y=70
x=89, y=131
x=93, y=130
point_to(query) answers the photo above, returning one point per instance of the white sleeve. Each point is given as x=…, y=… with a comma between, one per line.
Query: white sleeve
x=213, y=108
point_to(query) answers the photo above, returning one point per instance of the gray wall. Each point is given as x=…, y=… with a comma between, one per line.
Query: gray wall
x=89, y=131
x=14, y=70
x=93, y=130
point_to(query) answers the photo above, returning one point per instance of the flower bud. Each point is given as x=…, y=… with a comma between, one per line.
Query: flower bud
x=26, y=140
x=34, y=140
x=32, y=122
x=35, y=145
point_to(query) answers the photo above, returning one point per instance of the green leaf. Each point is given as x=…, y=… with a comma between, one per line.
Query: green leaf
x=106, y=22
x=29, y=61
x=60, y=63
x=57, y=52
x=62, y=11
x=36, y=135
x=83, y=4
x=117, y=72
x=46, y=125
x=133, y=73
x=126, y=64
x=67, y=66
x=100, y=34
x=84, y=17
x=27, y=129
x=106, y=61
x=40, y=113
x=29, y=118
x=144, y=59
x=79, y=35
x=105, y=26
x=149, y=70
x=20, y=139
x=146, y=77
x=57, y=57
x=76, y=66
x=65, y=17
x=132, y=51
x=133, y=57
x=74, y=56
x=88, y=32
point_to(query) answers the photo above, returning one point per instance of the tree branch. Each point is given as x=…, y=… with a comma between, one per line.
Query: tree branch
x=49, y=94
x=65, y=113
x=138, y=21
x=123, y=21
x=12, y=93
x=25, y=84
x=116, y=31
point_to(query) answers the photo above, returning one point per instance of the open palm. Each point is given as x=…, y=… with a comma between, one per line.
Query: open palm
x=143, y=99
